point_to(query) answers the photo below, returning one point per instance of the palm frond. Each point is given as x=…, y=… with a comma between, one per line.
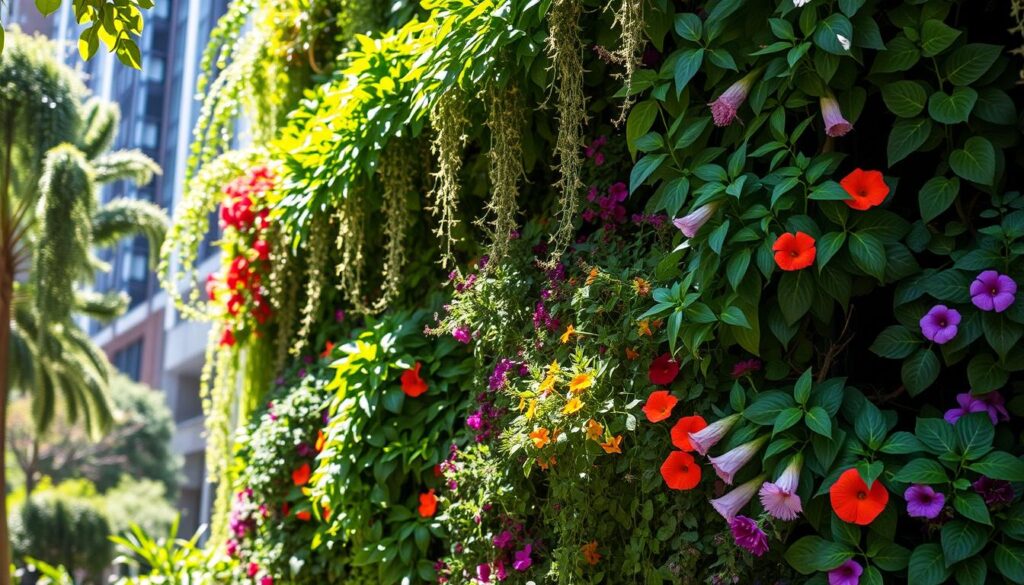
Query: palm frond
x=103, y=307
x=128, y=165
x=124, y=217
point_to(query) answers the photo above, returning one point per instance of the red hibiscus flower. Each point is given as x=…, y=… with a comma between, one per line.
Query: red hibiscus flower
x=659, y=405
x=682, y=429
x=412, y=384
x=300, y=476
x=663, y=370
x=794, y=251
x=867, y=188
x=680, y=471
x=853, y=502
x=428, y=504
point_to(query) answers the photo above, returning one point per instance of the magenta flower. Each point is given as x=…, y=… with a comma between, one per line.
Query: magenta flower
x=691, y=223
x=499, y=570
x=847, y=573
x=744, y=367
x=835, y=124
x=749, y=535
x=780, y=498
x=483, y=573
x=992, y=291
x=706, y=438
x=996, y=407
x=503, y=540
x=731, y=462
x=522, y=559
x=266, y=580
x=462, y=334
x=994, y=491
x=923, y=501
x=731, y=503
x=940, y=324
x=968, y=404
x=724, y=109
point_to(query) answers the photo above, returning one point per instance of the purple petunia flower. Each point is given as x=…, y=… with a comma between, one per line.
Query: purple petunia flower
x=994, y=491
x=996, y=406
x=462, y=334
x=749, y=535
x=968, y=404
x=992, y=291
x=522, y=559
x=502, y=540
x=835, y=124
x=923, y=501
x=724, y=109
x=940, y=324
x=847, y=573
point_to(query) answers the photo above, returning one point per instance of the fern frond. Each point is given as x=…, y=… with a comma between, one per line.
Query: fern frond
x=102, y=307
x=101, y=119
x=125, y=217
x=127, y=165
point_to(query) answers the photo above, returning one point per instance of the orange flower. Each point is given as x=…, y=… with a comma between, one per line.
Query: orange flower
x=573, y=406
x=304, y=515
x=680, y=471
x=682, y=429
x=656, y=324
x=853, y=502
x=641, y=287
x=659, y=405
x=328, y=349
x=321, y=439
x=592, y=276
x=531, y=411
x=613, y=445
x=428, y=504
x=412, y=384
x=544, y=464
x=794, y=251
x=644, y=328
x=594, y=430
x=867, y=188
x=326, y=512
x=300, y=476
x=569, y=332
x=581, y=383
x=540, y=437
x=631, y=354
x=590, y=554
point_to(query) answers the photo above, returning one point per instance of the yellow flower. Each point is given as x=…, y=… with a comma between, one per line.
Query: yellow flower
x=532, y=411
x=592, y=276
x=581, y=383
x=574, y=405
x=644, y=328
x=613, y=445
x=569, y=332
x=540, y=437
x=548, y=384
x=554, y=368
x=594, y=430
x=590, y=554
x=641, y=287
x=522, y=402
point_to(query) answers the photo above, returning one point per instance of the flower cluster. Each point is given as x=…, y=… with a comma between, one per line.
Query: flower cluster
x=990, y=291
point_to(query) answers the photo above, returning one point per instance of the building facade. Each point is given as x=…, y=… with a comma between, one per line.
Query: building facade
x=150, y=342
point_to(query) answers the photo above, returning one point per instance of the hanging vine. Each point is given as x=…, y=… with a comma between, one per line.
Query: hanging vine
x=566, y=52
x=397, y=174
x=448, y=118
x=630, y=18
x=317, y=245
x=505, y=121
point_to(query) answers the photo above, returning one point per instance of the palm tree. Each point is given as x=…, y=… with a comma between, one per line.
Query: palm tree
x=54, y=154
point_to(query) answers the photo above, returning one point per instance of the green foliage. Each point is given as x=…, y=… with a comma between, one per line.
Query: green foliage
x=63, y=530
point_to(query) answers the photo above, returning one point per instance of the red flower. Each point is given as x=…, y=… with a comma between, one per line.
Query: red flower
x=304, y=515
x=328, y=349
x=794, y=251
x=262, y=248
x=663, y=370
x=428, y=504
x=682, y=429
x=853, y=502
x=867, y=188
x=300, y=476
x=212, y=284
x=253, y=569
x=227, y=338
x=680, y=471
x=659, y=405
x=412, y=384
x=285, y=509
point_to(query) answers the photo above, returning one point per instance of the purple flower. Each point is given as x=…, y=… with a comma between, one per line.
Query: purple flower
x=728, y=464
x=724, y=109
x=779, y=498
x=691, y=223
x=474, y=421
x=706, y=438
x=996, y=407
x=462, y=334
x=522, y=559
x=847, y=573
x=749, y=535
x=994, y=491
x=968, y=404
x=992, y=291
x=339, y=315
x=483, y=573
x=744, y=367
x=502, y=540
x=940, y=324
x=923, y=501
x=731, y=503
x=499, y=570
x=835, y=124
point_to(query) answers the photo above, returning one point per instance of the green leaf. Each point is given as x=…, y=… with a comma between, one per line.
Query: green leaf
x=796, y=293
x=1009, y=562
x=904, y=98
x=828, y=246
x=926, y=471
x=734, y=316
x=802, y=389
x=691, y=132
x=687, y=65
x=786, y=419
x=818, y=421
x=640, y=120
x=961, y=540
x=936, y=195
x=736, y=268
x=902, y=443
x=937, y=435
x=952, y=108
x=936, y=36
x=644, y=168
x=995, y=106
x=972, y=506
x=920, y=371
x=828, y=32
x=48, y=7
x=975, y=433
x=766, y=408
x=972, y=571
x=926, y=566
x=811, y=554
x=829, y=191
x=868, y=253
x=1001, y=333
x=985, y=374
x=976, y=161
x=896, y=342
x=968, y=63
x=906, y=137
x=901, y=54
x=889, y=556
x=999, y=465
x=870, y=426
x=689, y=26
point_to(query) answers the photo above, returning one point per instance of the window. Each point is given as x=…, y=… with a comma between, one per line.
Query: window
x=129, y=360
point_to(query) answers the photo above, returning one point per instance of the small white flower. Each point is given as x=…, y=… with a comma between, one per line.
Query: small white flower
x=845, y=42
x=801, y=3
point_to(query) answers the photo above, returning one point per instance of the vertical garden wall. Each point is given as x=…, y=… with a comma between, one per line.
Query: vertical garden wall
x=566, y=291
